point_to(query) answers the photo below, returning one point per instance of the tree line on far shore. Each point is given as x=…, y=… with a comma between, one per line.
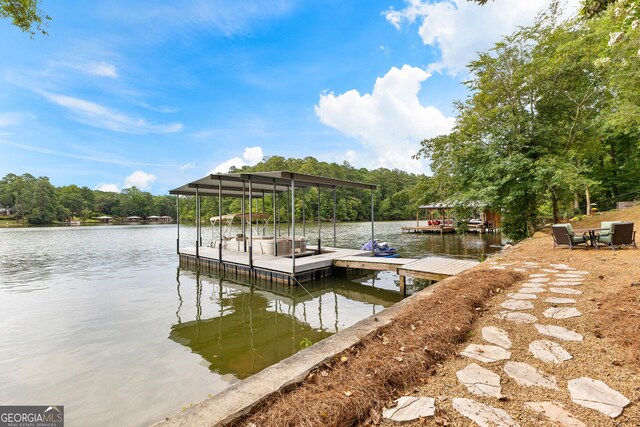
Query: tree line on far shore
x=36, y=201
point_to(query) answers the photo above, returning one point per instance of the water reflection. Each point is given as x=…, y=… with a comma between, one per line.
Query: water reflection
x=251, y=327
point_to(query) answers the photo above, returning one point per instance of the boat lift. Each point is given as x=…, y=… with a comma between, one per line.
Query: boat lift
x=261, y=222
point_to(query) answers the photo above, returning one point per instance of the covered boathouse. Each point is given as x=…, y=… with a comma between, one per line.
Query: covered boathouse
x=263, y=248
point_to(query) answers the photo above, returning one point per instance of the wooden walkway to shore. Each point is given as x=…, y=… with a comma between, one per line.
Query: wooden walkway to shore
x=430, y=268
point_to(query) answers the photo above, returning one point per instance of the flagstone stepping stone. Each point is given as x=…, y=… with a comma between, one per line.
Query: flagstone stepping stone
x=559, y=332
x=528, y=290
x=568, y=280
x=539, y=279
x=409, y=408
x=526, y=375
x=496, y=336
x=486, y=353
x=480, y=381
x=561, y=312
x=538, y=275
x=570, y=276
x=556, y=300
x=533, y=285
x=520, y=270
x=483, y=415
x=555, y=412
x=516, y=304
x=516, y=317
x=497, y=267
x=584, y=273
x=565, y=284
x=522, y=296
x=566, y=291
x=531, y=263
x=549, y=351
x=595, y=394
x=548, y=270
x=561, y=266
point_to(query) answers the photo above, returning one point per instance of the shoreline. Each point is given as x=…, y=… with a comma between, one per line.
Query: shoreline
x=617, y=363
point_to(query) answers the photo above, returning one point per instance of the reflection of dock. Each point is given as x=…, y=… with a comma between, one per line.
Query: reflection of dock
x=256, y=325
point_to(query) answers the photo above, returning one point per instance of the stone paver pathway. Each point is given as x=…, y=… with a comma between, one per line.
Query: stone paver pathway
x=480, y=381
x=556, y=413
x=483, y=415
x=409, y=408
x=597, y=395
x=549, y=351
x=536, y=292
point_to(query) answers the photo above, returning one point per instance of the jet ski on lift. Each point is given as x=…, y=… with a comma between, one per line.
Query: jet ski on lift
x=381, y=249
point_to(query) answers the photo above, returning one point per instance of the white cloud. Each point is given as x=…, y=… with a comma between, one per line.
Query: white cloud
x=187, y=166
x=460, y=28
x=139, y=179
x=390, y=122
x=13, y=118
x=250, y=157
x=100, y=69
x=97, y=115
x=110, y=188
x=253, y=155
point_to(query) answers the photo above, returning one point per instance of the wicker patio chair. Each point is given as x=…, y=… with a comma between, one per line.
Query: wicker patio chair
x=563, y=235
x=621, y=235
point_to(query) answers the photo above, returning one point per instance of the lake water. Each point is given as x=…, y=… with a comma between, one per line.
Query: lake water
x=101, y=319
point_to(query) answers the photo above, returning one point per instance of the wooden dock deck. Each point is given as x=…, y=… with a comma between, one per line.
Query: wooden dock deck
x=435, y=268
x=431, y=268
x=372, y=263
x=428, y=229
x=280, y=269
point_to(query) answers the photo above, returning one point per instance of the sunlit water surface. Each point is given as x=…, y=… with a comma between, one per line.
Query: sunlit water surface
x=101, y=320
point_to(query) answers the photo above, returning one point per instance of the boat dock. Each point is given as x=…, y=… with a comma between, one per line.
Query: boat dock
x=428, y=229
x=280, y=269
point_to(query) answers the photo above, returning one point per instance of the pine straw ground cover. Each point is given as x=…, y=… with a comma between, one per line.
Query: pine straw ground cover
x=619, y=322
x=356, y=385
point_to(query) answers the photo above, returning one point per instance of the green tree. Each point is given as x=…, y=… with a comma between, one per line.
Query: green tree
x=26, y=15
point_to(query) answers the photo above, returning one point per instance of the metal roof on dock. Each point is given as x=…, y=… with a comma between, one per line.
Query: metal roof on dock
x=236, y=184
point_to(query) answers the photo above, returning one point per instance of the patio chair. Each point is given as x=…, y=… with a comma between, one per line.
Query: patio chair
x=621, y=235
x=563, y=234
x=607, y=224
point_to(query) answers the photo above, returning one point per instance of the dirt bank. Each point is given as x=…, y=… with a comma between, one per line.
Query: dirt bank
x=418, y=354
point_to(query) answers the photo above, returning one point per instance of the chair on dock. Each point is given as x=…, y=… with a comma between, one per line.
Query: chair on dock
x=621, y=235
x=563, y=235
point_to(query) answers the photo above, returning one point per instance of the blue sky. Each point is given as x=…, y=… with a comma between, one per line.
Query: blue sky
x=157, y=93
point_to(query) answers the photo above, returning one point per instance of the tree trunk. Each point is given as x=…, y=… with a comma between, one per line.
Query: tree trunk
x=576, y=202
x=588, y=197
x=556, y=209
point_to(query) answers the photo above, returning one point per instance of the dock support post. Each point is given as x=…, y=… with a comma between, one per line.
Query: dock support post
x=304, y=226
x=197, y=223
x=244, y=229
x=250, y=225
x=178, y=224
x=319, y=224
x=334, y=217
x=293, y=227
x=372, y=227
x=403, y=286
x=275, y=235
x=220, y=222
